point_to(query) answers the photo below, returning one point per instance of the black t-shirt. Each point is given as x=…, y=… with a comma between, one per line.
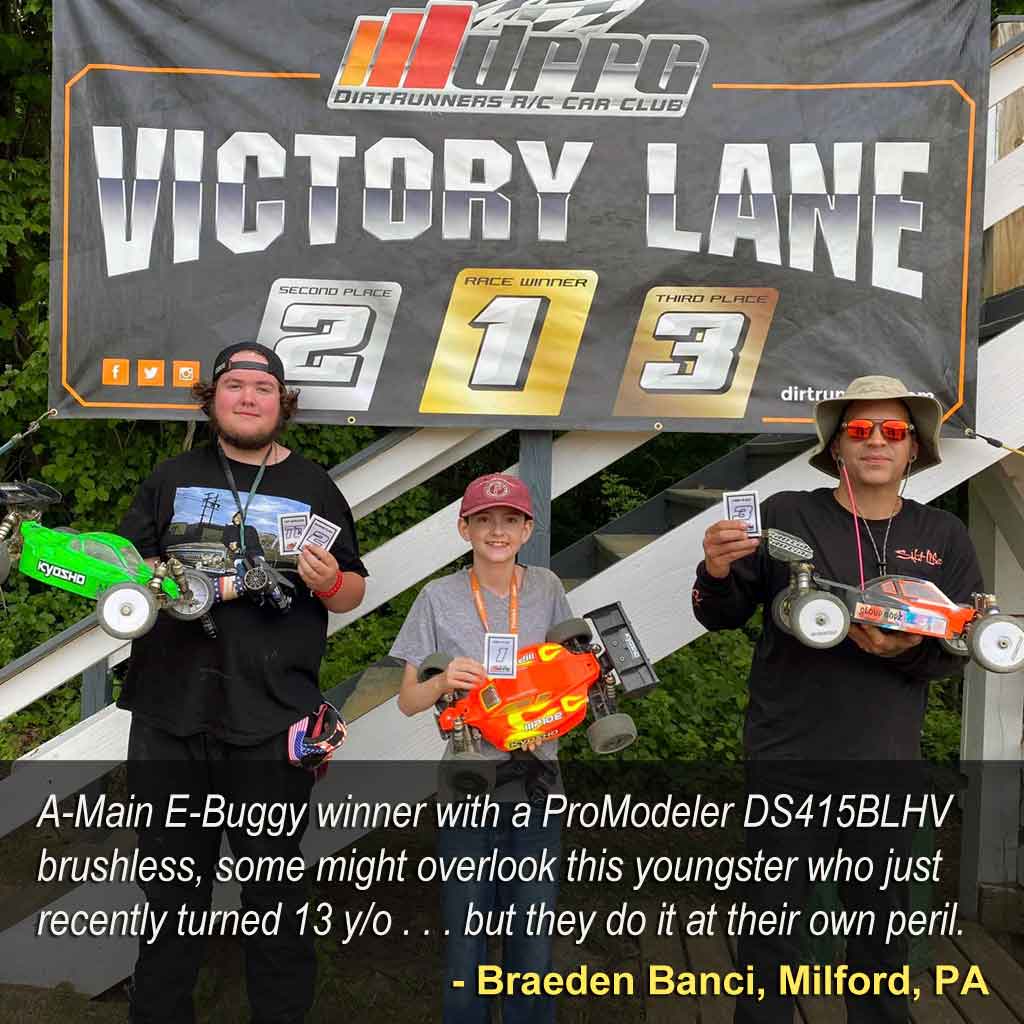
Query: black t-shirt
x=841, y=703
x=261, y=671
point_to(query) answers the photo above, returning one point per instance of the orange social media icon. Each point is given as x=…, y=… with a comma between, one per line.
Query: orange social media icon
x=151, y=373
x=116, y=372
x=184, y=372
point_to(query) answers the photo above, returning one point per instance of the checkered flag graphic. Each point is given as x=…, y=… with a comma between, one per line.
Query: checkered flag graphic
x=578, y=17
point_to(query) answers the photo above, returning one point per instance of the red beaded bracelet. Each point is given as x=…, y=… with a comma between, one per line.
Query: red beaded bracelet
x=325, y=594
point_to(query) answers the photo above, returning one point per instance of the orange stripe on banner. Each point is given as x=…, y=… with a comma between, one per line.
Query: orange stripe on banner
x=360, y=54
x=399, y=36
x=822, y=87
x=438, y=46
x=972, y=108
x=66, y=200
x=227, y=72
x=785, y=419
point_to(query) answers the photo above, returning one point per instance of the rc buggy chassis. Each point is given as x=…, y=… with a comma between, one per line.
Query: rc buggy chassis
x=555, y=683
x=818, y=611
x=101, y=566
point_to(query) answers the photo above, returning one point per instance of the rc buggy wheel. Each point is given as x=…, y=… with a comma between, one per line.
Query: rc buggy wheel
x=127, y=611
x=997, y=643
x=467, y=774
x=611, y=733
x=781, y=607
x=819, y=619
x=201, y=601
x=5, y=563
x=572, y=630
x=433, y=666
x=958, y=645
x=256, y=579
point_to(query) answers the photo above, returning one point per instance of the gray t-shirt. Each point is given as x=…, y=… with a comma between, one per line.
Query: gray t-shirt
x=443, y=619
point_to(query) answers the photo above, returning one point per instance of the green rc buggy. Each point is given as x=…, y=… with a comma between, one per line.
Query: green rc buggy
x=101, y=566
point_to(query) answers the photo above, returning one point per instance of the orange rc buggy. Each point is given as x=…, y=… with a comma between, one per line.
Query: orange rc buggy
x=554, y=685
x=818, y=612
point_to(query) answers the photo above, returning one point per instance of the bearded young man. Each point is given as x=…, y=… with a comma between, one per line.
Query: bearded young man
x=212, y=707
x=861, y=701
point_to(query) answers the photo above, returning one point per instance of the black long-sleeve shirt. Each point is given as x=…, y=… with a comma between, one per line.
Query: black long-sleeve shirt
x=843, y=702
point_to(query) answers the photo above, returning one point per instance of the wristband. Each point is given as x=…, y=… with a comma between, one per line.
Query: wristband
x=325, y=594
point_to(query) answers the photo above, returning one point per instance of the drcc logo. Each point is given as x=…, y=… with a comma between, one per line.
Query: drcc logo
x=517, y=57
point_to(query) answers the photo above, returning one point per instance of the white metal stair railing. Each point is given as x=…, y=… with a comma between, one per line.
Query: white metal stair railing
x=421, y=455
x=653, y=586
x=396, y=565
x=367, y=486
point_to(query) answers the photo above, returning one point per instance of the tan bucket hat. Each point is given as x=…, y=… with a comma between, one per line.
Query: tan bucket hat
x=925, y=412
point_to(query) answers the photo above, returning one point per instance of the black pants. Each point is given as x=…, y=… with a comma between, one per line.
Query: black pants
x=866, y=952
x=281, y=967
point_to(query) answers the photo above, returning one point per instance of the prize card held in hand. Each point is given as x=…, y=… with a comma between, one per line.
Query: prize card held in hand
x=500, y=655
x=290, y=528
x=320, y=531
x=744, y=506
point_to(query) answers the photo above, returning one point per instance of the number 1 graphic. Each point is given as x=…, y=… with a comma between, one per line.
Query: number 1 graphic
x=508, y=342
x=511, y=325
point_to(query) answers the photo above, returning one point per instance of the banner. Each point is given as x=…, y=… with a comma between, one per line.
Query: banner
x=614, y=214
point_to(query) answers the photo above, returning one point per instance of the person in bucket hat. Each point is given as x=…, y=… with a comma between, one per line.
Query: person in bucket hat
x=862, y=700
x=922, y=412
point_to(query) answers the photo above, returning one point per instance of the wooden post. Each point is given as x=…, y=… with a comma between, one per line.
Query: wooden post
x=993, y=703
x=535, y=472
x=97, y=689
x=1003, y=245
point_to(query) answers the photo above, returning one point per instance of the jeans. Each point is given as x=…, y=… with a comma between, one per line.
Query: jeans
x=280, y=968
x=520, y=952
x=864, y=952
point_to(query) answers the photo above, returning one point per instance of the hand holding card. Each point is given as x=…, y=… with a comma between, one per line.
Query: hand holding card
x=744, y=507
x=320, y=531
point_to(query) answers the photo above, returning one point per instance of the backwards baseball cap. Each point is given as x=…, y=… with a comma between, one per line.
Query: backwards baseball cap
x=225, y=360
x=496, y=490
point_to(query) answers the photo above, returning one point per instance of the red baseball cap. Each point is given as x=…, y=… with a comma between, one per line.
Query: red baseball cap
x=496, y=490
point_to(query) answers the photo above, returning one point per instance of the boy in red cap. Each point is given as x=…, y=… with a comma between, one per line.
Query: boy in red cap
x=452, y=616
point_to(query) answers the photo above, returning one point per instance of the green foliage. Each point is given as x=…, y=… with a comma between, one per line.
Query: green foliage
x=618, y=496
x=940, y=740
x=1003, y=7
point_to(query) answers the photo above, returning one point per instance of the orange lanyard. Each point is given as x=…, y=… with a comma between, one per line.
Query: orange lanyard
x=513, y=603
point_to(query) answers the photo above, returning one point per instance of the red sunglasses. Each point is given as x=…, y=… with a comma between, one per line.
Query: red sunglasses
x=892, y=430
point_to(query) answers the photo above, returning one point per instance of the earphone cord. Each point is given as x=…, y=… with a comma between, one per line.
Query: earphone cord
x=856, y=529
x=883, y=558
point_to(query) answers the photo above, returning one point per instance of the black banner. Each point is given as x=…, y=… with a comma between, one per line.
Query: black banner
x=618, y=214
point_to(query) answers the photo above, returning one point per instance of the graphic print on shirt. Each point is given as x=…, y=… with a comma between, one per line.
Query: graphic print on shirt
x=927, y=556
x=204, y=527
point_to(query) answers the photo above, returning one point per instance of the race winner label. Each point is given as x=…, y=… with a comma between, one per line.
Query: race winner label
x=508, y=342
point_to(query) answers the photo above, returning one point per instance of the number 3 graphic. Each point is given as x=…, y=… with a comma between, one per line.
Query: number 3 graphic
x=694, y=354
x=705, y=349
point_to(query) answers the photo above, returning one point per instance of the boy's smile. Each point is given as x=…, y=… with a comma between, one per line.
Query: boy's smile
x=496, y=534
